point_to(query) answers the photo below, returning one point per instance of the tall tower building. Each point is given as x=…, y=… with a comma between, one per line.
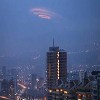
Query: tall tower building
x=34, y=82
x=4, y=71
x=11, y=88
x=56, y=69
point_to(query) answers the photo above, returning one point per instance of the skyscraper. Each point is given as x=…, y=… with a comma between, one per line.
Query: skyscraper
x=56, y=69
x=96, y=85
x=11, y=88
x=34, y=82
x=4, y=71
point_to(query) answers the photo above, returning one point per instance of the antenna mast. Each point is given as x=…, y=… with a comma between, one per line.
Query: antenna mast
x=53, y=42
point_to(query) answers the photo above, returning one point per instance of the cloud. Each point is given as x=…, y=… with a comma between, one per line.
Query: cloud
x=44, y=13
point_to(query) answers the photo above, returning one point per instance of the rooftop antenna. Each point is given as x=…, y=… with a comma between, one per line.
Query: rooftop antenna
x=53, y=42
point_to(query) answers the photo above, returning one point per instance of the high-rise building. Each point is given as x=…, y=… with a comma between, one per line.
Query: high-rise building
x=96, y=85
x=4, y=71
x=34, y=82
x=4, y=88
x=56, y=70
x=11, y=88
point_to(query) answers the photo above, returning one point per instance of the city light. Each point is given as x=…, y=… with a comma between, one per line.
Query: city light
x=61, y=90
x=65, y=92
x=50, y=91
x=57, y=90
x=23, y=86
x=3, y=97
x=32, y=68
x=58, y=65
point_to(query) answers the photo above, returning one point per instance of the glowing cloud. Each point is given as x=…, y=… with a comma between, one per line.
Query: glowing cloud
x=43, y=13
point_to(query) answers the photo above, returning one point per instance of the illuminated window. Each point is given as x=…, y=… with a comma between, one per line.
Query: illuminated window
x=50, y=91
x=65, y=92
x=57, y=90
x=61, y=90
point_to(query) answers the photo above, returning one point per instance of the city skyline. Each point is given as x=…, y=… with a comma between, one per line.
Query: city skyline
x=50, y=49
x=28, y=27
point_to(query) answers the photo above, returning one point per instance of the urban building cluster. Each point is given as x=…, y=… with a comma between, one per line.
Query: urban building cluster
x=59, y=84
x=17, y=86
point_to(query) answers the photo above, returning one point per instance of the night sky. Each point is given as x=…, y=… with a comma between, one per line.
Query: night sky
x=27, y=27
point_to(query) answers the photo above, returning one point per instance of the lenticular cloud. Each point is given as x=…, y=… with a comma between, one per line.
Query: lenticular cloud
x=43, y=13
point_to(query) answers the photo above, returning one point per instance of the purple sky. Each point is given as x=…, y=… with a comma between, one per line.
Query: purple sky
x=74, y=24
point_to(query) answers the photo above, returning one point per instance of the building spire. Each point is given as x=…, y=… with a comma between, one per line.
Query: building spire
x=53, y=42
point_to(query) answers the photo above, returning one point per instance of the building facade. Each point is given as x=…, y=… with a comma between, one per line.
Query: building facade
x=96, y=85
x=56, y=70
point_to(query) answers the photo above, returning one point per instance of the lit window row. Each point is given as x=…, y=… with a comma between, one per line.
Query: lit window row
x=58, y=65
x=59, y=90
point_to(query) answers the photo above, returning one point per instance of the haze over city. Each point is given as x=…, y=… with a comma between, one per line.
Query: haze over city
x=27, y=29
x=49, y=49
